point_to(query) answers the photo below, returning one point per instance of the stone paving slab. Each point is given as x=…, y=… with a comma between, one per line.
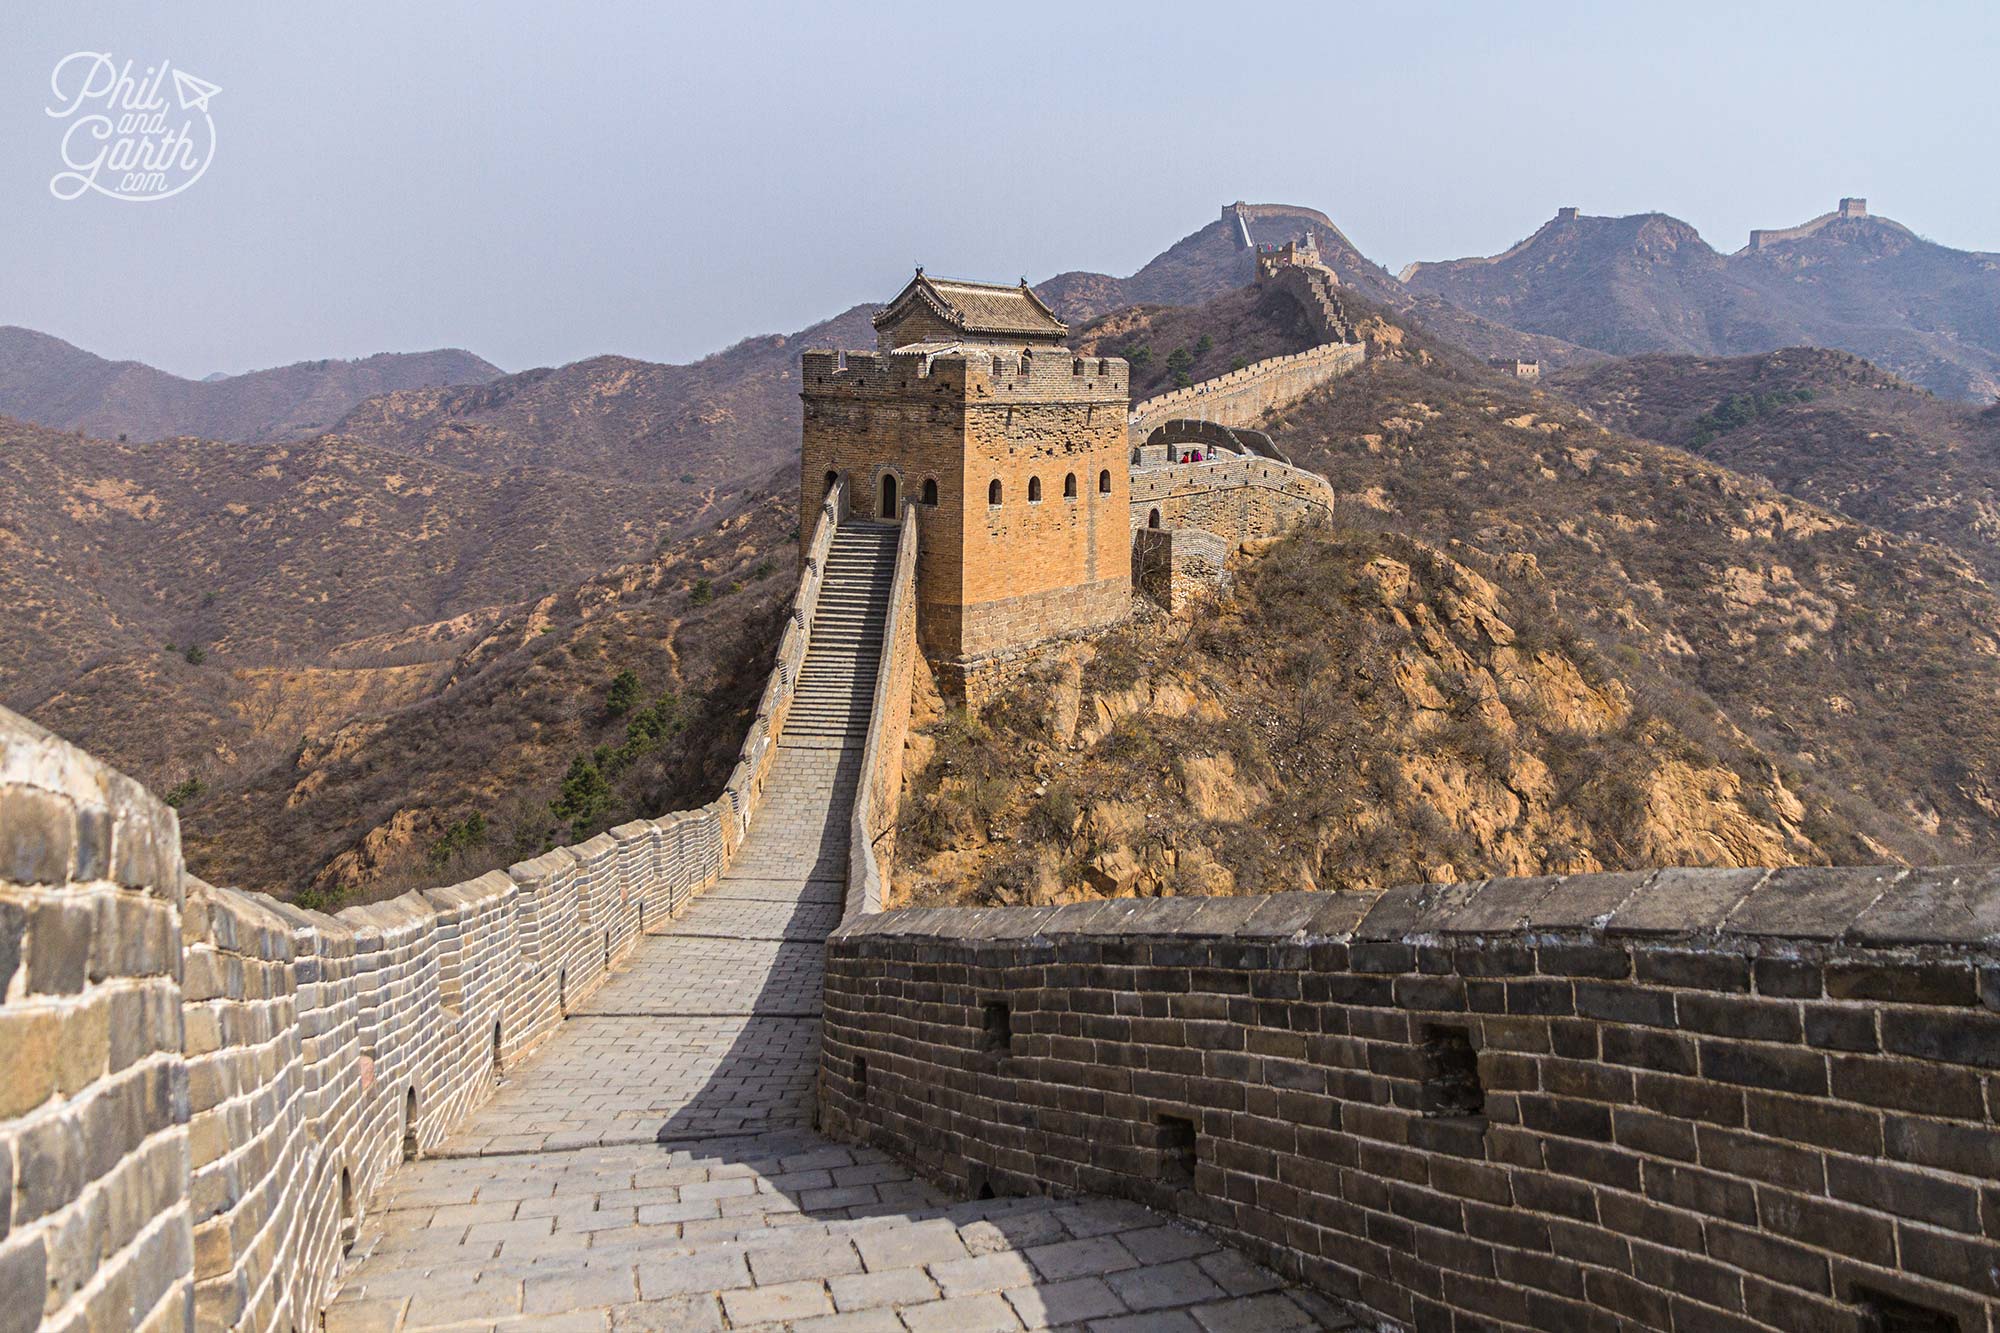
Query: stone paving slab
x=771, y=920
x=747, y=888
x=779, y=1229
x=651, y=1168
x=671, y=976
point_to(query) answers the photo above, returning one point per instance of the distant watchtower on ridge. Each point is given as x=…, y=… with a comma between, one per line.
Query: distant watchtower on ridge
x=1012, y=448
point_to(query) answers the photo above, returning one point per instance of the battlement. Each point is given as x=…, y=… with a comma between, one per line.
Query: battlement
x=1053, y=374
x=1241, y=397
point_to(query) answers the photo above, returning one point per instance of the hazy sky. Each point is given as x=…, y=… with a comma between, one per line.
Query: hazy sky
x=541, y=182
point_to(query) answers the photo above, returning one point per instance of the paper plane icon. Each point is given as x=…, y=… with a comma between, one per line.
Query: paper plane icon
x=194, y=93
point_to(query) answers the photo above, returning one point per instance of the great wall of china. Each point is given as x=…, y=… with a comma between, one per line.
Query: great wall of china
x=690, y=1074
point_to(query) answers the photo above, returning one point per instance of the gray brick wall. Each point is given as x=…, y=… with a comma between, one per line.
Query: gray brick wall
x=1681, y=1100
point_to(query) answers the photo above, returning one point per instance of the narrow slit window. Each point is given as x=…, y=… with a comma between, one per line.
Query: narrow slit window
x=998, y=1027
x=1451, y=1074
x=1178, y=1150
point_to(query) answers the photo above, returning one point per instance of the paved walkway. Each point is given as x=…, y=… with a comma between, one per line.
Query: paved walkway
x=653, y=1168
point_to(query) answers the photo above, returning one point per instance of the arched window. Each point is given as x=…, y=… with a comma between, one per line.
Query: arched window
x=831, y=477
x=930, y=490
x=888, y=495
x=1034, y=490
x=1104, y=482
x=993, y=493
x=1069, y=487
x=1153, y=519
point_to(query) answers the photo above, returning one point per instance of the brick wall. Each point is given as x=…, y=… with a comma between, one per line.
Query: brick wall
x=1242, y=397
x=1680, y=1100
x=1235, y=498
x=878, y=796
x=199, y=1087
x=93, y=1093
x=1178, y=567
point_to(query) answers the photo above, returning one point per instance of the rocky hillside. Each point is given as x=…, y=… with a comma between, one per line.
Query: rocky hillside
x=622, y=695
x=274, y=553
x=1649, y=283
x=1824, y=426
x=1363, y=709
x=703, y=425
x=1867, y=663
x=51, y=383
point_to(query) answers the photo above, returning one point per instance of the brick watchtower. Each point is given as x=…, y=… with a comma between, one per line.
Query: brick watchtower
x=1012, y=448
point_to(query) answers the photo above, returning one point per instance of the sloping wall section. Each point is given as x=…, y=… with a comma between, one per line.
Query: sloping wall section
x=200, y=1087
x=1242, y=397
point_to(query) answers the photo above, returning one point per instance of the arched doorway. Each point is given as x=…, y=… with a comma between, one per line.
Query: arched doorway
x=888, y=496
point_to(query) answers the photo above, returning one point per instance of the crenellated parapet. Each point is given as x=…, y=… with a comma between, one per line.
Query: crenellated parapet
x=1049, y=374
x=1242, y=397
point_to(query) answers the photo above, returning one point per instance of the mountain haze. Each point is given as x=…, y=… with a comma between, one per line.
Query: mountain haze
x=1650, y=283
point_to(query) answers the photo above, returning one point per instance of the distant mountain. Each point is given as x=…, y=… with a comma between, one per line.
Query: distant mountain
x=1215, y=260
x=709, y=424
x=1822, y=425
x=1649, y=283
x=47, y=381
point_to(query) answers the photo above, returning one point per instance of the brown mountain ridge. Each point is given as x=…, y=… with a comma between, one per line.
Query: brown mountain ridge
x=1649, y=283
x=47, y=381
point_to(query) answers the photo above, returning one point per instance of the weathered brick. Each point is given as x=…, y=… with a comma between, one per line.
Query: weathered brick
x=1650, y=1048
x=1902, y=982
x=1789, y=978
x=1618, y=1003
x=1778, y=1068
x=59, y=947
x=1841, y=1029
x=1964, y=1262
x=1963, y=1038
x=1907, y=1085
x=1701, y=970
x=37, y=836
x=1913, y=1194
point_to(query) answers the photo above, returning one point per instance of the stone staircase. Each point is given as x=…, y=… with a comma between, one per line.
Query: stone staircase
x=837, y=681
